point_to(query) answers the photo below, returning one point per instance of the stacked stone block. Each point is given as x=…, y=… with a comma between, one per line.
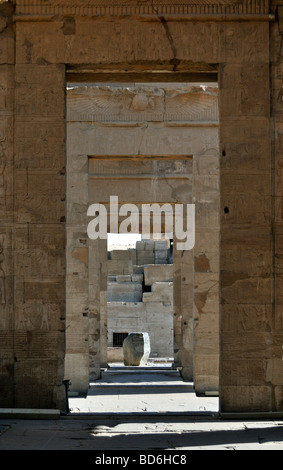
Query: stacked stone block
x=152, y=252
x=124, y=291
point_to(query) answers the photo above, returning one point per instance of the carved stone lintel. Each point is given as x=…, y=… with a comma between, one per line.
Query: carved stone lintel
x=139, y=104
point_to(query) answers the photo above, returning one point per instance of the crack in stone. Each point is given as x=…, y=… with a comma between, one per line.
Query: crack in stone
x=174, y=61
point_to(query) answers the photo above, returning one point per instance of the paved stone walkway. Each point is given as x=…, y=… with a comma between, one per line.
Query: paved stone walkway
x=149, y=389
x=156, y=412
x=140, y=434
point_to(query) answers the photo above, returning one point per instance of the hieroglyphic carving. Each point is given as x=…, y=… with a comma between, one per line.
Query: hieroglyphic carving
x=2, y=273
x=2, y=177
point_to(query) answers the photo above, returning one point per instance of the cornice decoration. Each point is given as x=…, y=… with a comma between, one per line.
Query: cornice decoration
x=142, y=7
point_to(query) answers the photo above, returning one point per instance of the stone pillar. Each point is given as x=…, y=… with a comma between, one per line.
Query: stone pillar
x=77, y=305
x=97, y=294
x=274, y=371
x=206, y=265
x=187, y=298
x=39, y=240
x=77, y=266
x=103, y=329
x=177, y=312
x=7, y=315
x=248, y=338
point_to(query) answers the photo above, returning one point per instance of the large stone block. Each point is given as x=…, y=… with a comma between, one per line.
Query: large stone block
x=136, y=349
x=160, y=245
x=124, y=278
x=145, y=257
x=161, y=292
x=158, y=273
x=161, y=256
x=124, y=255
x=124, y=292
x=138, y=269
x=137, y=278
x=119, y=267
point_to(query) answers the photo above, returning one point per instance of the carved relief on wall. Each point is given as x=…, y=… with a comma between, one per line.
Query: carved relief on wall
x=2, y=273
x=108, y=103
x=5, y=138
x=2, y=175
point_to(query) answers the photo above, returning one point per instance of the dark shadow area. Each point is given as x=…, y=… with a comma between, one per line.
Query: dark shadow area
x=141, y=433
x=190, y=439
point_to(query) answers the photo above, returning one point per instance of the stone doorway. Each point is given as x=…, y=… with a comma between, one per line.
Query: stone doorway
x=136, y=289
x=109, y=126
x=44, y=43
x=140, y=297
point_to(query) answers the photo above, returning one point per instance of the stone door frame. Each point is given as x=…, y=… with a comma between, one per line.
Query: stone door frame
x=45, y=43
x=195, y=321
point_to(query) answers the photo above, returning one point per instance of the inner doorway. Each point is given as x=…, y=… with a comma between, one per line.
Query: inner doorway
x=139, y=281
x=140, y=298
x=139, y=122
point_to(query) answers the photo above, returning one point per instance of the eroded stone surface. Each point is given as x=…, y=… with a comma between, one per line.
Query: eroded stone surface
x=136, y=349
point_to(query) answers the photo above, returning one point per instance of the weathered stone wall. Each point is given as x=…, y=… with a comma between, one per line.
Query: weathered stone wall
x=247, y=54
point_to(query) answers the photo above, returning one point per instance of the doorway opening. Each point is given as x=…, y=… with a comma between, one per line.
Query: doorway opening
x=140, y=298
x=143, y=143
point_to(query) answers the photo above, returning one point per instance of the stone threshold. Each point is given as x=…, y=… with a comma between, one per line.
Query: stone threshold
x=28, y=413
x=148, y=414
